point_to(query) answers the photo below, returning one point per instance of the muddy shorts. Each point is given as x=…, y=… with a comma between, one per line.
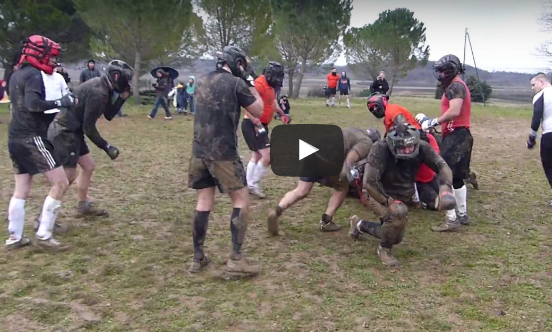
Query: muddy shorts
x=428, y=193
x=68, y=146
x=226, y=175
x=254, y=141
x=456, y=150
x=33, y=155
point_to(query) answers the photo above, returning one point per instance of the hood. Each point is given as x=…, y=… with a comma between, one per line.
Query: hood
x=192, y=77
x=344, y=75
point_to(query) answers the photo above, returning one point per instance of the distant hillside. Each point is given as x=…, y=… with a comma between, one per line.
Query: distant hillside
x=417, y=77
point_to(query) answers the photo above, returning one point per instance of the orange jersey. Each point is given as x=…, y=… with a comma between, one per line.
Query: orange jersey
x=268, y=95
x=332, y=80
x=425, y=173
x=392, y=110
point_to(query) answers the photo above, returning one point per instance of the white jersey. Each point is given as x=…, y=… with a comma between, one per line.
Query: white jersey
x=54, y=87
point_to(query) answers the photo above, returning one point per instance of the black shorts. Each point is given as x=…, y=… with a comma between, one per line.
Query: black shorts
x=68, y=146
x=226, y=175
x=344, y=92
x=428, y=192
x=254, y=141
x=456, y=150
x=331, y=91
x=33, y=155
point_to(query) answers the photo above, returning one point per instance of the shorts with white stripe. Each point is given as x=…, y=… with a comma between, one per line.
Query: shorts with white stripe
x=33, y=155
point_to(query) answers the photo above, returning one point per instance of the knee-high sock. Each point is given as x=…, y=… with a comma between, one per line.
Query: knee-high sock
x=201, y=221
x=461, y=200
x=48, y=217
x=249, y=172
x=16, y=217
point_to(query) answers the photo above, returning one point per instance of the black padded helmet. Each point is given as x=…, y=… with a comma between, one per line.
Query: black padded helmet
x=120, y=75
x=450, y=66
x=233, y=57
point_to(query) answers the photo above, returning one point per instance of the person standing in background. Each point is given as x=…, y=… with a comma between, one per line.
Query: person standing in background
x=332, y=79
x=190, y=87
x=89, y=72
x=344, y=87
x=380, y=85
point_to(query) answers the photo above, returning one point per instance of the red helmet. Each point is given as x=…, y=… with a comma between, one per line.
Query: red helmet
x=41, y=53
x=376, y=104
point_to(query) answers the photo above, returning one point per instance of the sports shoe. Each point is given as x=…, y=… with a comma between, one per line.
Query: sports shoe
x=386, y=257
x=50, y=244
x=12, y=243
x=197, y=265
x=87, y=208
x=447, y=226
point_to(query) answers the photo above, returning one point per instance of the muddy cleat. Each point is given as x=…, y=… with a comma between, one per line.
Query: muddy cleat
x=329, y=226
x=272, y=221
x=386, y=257
x=12, y=243
x=197, y=265
x=241, y=268
x=50, y=244
x=257, y=192
x=447, y=226
x=58, y=228
x=463, y=219
x=168, y=118
x=472, y=179
x=87, y=209
x=354, y=233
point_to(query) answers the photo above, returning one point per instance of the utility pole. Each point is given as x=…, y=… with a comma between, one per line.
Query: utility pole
x=467, y=38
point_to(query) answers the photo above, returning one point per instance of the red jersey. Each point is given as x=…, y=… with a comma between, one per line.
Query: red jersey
x=332, y=80
x=392, y=110
x=268, y=95
x=464, y=118
x=425, y=173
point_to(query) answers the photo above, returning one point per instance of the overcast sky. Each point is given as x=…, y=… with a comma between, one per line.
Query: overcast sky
x=503, y=33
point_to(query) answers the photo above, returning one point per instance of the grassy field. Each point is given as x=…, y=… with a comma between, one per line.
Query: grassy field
x=128, y=272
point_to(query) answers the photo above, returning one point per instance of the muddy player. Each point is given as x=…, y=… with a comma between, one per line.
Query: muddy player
x=255, y=131
x=357, y=146
x=29, y=149
x=389, y=180
x=455, y=121
x=215, y=161
x=97, y=96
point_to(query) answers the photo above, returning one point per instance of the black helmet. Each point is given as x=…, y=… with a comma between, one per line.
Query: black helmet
x=376, y=104
x=450, y=66
x=274, y=73
x=233, y=57
x=120, y=75
x=403, y=140
x=373, y=134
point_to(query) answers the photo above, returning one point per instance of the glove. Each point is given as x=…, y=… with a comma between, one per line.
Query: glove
x=531, y=142
x=428, y=123
x=286, y=119
x=66, y=101
x=420, y=117
x=248, y=75
x=112, y=152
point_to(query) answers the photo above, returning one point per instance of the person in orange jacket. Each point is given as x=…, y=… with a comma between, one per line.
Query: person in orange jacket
x=332, y=79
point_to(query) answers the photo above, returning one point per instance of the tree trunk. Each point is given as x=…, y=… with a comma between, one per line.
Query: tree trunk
x=297, y=87
x=291, y=74
x=393, y=81
x=136, y=77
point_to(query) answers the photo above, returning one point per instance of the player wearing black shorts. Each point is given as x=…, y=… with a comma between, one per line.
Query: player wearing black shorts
x=215, y=161
x=30, y=151
x=344, y=87
x=455, y=121
x=100, y=95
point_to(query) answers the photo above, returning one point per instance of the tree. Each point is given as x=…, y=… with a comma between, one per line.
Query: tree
x=55, y=19
x=476, y=88
x=137, y=32
x=242, y=23
x=308, y=34
x=546, y=22
x=401, y=42
x=363, y=52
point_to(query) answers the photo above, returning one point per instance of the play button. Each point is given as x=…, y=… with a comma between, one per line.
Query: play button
x=305, y=149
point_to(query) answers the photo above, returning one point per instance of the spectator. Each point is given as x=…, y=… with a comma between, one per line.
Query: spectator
x=162, y=89
x=63, y=72
x=380, y=85
x=190, y=87
x=89, y=72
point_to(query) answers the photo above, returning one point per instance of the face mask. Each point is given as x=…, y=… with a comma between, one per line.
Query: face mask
x=334, y=73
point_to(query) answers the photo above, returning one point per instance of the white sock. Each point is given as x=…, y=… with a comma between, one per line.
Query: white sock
x=328, y=101
x=461, y=196
x=260, y=171
x=48, y=217
x=451, y=215
x=358, y=225
x=16, y=217
x=348, y=102
x=416, y=197
x=249, y=172
x=333, y=100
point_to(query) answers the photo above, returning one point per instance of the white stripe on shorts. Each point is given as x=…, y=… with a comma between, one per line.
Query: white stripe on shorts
x=45, y=153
